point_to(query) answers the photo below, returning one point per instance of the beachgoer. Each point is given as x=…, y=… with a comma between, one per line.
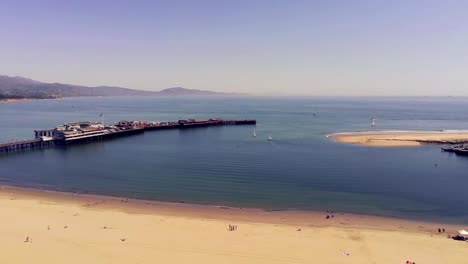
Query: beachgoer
x=439, y=230
x=443, y=230
x=27, y=240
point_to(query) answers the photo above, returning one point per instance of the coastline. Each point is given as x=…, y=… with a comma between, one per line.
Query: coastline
x=401, y=138
x=15, y=100
x=222, y=212
x=139, y=206
x=19, y=100
x=100, y=229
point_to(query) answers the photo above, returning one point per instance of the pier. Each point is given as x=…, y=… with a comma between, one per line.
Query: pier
x=25, y=145
x=86, y=132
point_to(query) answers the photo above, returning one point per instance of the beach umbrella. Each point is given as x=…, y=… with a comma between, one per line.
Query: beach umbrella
x=463, y=232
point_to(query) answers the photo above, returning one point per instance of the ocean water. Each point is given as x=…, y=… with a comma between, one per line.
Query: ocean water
x=299, y=169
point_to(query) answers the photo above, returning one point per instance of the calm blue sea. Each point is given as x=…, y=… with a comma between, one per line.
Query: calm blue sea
x=300, y=169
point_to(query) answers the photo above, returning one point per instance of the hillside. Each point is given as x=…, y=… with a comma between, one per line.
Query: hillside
x=20, y=87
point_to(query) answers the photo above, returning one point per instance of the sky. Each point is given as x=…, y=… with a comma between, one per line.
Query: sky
x=289, y=47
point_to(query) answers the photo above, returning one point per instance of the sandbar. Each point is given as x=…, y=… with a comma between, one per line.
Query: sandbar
x=401, y=138
x=52, y=227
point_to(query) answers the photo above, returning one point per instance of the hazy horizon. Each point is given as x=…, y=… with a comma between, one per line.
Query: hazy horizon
x=319, y=48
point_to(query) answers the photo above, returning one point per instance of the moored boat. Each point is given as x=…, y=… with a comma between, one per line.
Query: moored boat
x=459, y=150
x=453, y=149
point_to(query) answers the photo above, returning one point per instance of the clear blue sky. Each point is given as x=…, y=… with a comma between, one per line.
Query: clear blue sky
x=266, y=47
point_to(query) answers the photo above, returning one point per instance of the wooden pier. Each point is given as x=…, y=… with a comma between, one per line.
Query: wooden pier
x=45, y=138
x=25, y=145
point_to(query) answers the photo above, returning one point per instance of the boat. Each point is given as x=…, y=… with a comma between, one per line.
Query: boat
x=254, y=134
x=459, y=150
x=269, y=138
x=448, y=149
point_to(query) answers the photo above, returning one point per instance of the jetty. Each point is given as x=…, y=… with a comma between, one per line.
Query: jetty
x=85, y=132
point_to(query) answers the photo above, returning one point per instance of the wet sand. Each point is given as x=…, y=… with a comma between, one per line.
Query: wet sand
x=401, y=138
x=71, y=228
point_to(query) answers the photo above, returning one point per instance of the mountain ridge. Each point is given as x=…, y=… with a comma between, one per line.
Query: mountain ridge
x=18, y=87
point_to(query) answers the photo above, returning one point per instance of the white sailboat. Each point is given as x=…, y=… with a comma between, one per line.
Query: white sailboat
x=269, y=138
x=254, y=133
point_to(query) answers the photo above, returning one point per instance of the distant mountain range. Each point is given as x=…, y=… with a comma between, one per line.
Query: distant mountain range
x=20, y=87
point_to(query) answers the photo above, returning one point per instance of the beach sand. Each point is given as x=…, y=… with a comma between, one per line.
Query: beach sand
x=400, y=138
x=16, y=100
x=68, y=228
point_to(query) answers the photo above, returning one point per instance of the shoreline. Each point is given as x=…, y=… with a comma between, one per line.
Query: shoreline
x=401, y=138
x=221, y=212
x=15, y=100
x=38, y=226
x=19, y=100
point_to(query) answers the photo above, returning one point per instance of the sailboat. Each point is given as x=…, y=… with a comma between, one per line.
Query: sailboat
x=254, y=134
x=372, y=122
x=269, y=138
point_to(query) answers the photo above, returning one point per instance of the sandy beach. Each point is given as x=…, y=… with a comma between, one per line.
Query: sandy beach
x=69, y=228
x=401, y=138
x=16, y=100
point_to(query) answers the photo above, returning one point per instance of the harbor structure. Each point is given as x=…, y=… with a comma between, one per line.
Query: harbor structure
x=83, y=132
